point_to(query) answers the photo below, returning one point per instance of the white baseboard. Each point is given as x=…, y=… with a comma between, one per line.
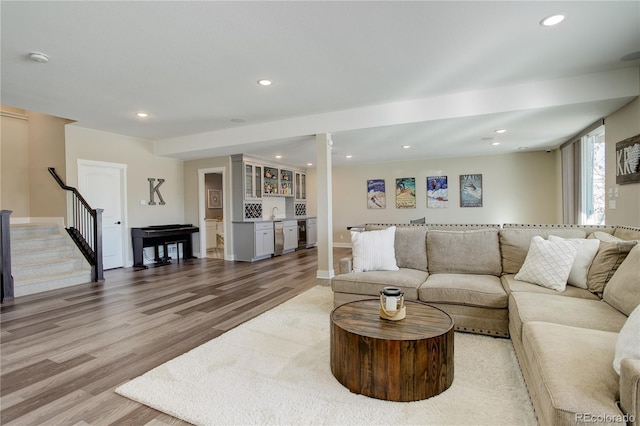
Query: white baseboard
x=325, y=275
x=344, y=245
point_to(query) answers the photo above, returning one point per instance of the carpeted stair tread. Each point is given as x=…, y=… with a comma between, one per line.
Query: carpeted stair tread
x=43, y=258
x=27, y=256
x=51, y=282
x=45, y=268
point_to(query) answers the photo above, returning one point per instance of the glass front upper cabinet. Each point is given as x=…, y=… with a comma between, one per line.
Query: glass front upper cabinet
x=270, y=181
x=252, y=181
x=248, y=181
x=301, y=186
x=286, y=182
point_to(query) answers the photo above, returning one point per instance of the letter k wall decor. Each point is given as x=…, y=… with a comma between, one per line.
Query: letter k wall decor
x=155, y=190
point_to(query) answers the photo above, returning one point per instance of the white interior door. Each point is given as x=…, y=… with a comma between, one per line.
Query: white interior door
x=102, y=185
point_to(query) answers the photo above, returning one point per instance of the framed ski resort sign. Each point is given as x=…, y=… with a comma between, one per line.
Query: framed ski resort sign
x=628, y=160
x=437, y=192
x=376, y=196
x=470, y=190
x=406, y=193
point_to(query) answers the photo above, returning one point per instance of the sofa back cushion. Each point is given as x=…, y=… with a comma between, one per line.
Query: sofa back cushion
x=514, y=244
x=627, y=233
x=464, y=252
x=623, y=289
x=411, y=247
x=410, y=244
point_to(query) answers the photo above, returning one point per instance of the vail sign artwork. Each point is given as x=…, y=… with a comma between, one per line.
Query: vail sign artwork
x=628, y=160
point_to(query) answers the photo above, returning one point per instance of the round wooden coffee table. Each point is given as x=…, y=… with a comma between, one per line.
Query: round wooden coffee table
x=405, y=360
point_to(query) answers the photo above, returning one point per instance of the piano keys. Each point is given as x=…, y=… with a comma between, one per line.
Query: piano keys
x=161, y=235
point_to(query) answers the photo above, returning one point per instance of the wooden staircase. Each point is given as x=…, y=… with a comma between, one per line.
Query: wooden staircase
x=44, y=258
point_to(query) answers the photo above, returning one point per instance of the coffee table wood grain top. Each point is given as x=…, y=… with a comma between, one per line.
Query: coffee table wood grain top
x=405, y=360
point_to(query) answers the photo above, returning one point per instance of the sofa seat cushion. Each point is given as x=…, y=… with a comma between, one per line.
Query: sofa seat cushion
x=572, y=311
x=510, y=284
x=464, y=289
x=572, y=374
x=372, y=282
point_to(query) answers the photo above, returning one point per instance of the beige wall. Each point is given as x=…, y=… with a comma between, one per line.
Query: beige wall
x=14, y=172
x=46, y=149
x=518, y=188
x=29, y=143
x=141, y=163
x=621, y=125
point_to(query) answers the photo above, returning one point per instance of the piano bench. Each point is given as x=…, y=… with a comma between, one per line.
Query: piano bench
x=177, y=243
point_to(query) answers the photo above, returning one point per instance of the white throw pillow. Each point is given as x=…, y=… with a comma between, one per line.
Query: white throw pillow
x=628, y=344
x=548, y=263
x=374, y=250
x=587, y=250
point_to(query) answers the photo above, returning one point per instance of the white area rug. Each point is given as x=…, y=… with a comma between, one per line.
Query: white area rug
x=275, y=369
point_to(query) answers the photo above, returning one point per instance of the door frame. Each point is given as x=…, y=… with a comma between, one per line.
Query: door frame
x=126, y=260
x=202, y=205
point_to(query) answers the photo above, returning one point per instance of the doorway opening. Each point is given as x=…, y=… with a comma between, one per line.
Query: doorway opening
x=214, y=215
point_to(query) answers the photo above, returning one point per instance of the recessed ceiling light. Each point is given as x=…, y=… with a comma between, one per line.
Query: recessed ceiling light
x=142, y=114
x=309, y=164
x=265, y=82
x=552, y=20
x=495, y=143
x=406, y=146
x=278, y=156
x=348, y=156
x=39, y=57
x=501, y=131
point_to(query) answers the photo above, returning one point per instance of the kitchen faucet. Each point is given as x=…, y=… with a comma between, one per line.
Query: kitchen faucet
x=273, y=212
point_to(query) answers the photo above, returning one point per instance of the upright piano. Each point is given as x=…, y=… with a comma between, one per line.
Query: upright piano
x=161, y=235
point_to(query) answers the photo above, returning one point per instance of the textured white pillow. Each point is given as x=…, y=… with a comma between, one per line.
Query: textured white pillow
x=374, y=250
x=628, y=344
x=587, y=250
x=548, y=263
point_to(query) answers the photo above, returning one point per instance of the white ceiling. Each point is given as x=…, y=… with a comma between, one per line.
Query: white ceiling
x=439, y=76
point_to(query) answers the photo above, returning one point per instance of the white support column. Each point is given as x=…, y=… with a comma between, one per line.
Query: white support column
x=325, y=209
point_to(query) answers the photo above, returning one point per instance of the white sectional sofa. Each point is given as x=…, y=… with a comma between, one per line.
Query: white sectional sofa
x=565, y=340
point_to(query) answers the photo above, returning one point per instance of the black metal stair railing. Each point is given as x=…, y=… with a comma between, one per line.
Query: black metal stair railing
x=85, y=229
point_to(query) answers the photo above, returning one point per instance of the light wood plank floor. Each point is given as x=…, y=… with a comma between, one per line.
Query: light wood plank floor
x=65, y=351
